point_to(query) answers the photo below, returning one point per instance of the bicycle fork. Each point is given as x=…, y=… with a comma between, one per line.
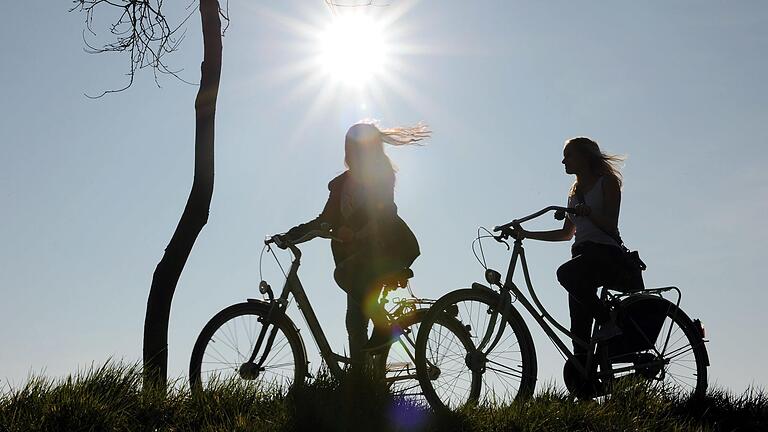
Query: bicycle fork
x=250, y=370
x=476, y=359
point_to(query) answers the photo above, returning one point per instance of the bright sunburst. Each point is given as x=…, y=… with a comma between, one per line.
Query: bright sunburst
x=352, y=61
x=353, y=49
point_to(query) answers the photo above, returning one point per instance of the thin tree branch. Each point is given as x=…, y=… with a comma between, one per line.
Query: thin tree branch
x=140, y=29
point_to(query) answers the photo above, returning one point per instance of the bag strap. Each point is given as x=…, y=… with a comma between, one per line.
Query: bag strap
x=615, y=236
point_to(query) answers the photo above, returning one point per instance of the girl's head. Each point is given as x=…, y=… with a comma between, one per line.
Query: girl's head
x=364, y=147
x=582, y=156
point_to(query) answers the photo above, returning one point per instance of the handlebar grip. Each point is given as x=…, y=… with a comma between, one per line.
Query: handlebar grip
x=560, y=214
x=277, y=240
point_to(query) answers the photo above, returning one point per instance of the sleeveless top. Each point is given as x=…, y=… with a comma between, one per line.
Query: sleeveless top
x=586, y=231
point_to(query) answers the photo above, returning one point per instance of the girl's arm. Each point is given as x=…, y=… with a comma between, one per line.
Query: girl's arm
x=563, y=234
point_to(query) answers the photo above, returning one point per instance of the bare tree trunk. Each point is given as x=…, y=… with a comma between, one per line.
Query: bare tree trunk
x=195, y=214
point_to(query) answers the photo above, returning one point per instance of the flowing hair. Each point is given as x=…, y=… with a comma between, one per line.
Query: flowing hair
x=410, y=135
x=600, y=163
x=366, y=138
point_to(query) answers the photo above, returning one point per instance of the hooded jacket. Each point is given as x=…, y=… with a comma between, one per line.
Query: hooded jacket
x=375, y=223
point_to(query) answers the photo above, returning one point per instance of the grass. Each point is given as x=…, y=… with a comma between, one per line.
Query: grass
x=110, y=398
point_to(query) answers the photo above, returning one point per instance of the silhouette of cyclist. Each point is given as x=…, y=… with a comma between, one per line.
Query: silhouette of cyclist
x=371, y=240
x=596, y=197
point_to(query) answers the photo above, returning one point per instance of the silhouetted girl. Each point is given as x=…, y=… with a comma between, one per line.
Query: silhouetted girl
x=375, y=241
x=596, y=196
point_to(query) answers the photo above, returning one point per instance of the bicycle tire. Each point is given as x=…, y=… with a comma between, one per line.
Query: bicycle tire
x=291, y=367
x=488, y=389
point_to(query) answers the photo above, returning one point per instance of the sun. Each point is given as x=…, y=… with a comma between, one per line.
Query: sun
x=351, y=63
x=353, y=49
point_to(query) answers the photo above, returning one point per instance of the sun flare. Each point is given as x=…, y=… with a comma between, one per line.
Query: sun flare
x=353, y=49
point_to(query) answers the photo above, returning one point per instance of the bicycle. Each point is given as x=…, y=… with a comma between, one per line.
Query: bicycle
x=660, y=344
x=256, y=341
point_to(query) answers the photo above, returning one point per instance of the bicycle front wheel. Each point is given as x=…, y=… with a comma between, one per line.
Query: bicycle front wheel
x=227, y=341
x=497, y=366
x=397, y=363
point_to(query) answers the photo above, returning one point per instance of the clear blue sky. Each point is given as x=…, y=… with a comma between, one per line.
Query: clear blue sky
x=92, y=189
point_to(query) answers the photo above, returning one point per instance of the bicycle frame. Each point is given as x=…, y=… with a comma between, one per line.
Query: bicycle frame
x=540, y=313
x=279, y=306
x=293, y=286
x=535, y=309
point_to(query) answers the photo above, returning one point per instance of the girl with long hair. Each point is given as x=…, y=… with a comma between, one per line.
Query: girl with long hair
x=371, y=240
x=596, y=252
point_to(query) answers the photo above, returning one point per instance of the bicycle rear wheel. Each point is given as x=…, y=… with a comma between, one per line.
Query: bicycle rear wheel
x=453, y=373
x=227, y=341
x=661, y=344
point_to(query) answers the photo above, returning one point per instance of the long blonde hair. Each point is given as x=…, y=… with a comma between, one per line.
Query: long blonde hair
x=601, y=163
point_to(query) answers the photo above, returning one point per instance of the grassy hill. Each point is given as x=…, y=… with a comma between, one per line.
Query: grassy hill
x=109, y=398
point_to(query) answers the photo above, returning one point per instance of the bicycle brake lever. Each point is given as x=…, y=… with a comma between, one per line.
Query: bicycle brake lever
x=502, y=238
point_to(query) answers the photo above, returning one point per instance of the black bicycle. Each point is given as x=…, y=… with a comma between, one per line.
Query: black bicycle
x=256, y=342
x=660, y=343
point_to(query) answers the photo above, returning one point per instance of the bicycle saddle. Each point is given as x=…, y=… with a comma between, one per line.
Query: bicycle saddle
x=397, y=278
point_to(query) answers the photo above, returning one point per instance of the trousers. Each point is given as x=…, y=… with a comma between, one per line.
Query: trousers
x=359, y=275
x=592, y=265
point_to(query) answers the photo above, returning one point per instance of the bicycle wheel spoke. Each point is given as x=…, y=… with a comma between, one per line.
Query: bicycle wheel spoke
x=510, y=371
x=678, y=352
x=221, y=356
x=278, y=366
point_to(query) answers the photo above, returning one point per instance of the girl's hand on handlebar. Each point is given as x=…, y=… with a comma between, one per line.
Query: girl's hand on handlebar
x=582, y=210
x=279, y=240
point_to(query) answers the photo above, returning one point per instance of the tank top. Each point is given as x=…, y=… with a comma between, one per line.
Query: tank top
x=585, y=229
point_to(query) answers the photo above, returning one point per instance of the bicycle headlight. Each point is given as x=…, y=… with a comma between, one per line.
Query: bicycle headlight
x=264, y=287
x=493, y=277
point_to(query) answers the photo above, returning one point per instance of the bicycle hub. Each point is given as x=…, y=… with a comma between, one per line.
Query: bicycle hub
x=249, y=371
x=475, y=361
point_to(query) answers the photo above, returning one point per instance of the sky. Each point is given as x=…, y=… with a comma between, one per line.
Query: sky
x=92, y=189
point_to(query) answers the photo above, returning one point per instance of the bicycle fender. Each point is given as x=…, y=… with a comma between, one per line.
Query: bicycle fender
x=259, y=301
x=480, y=287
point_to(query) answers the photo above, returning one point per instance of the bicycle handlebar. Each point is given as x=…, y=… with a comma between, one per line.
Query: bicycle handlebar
x=559, y=215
